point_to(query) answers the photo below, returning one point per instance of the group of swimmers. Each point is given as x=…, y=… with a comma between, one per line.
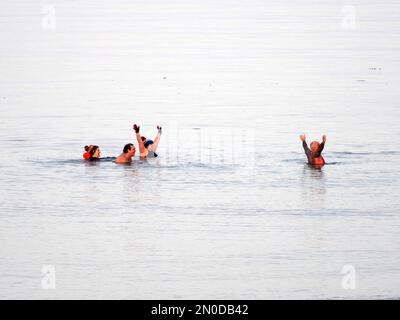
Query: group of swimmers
x=147, y=149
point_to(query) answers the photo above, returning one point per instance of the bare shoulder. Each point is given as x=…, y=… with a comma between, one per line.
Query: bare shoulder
x=120, y=159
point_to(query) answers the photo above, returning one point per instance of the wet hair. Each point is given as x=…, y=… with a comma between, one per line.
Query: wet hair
x=147, y=143
x=128, y=147
x=91, y=149
x=143, y=138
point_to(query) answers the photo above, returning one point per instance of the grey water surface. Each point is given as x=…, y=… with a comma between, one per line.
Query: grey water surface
x=229, y=209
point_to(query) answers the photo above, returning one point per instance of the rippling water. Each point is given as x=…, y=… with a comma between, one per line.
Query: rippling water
x=229, y=209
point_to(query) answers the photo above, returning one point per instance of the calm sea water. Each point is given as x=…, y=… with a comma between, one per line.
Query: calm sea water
x=229, y=209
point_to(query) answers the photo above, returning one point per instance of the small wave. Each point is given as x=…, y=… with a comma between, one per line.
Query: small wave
x=71, y=161
x=304, y=161
x=15, y=140
x=390, y=152
x=344, y=153
x=293, y=160
x=207, y=166
x=101, y=160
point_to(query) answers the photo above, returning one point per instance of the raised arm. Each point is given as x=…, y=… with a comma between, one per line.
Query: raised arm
x=142, y=149
x=321, y=146
x=305, y=146
x=157, y=139
x=323, y=142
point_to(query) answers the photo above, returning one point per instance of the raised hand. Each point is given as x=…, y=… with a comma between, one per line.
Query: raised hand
x=324, y=138
x=136, y=128
x=303, y=137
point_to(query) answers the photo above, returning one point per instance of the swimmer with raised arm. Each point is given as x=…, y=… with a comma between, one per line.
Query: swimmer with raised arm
x=314, y=152
x=127, y=153
x=147, y=148
x=92, y=153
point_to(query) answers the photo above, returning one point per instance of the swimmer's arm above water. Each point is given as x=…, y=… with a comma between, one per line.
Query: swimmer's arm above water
x=323, y=142
x=157, y=139
x=142, y=149
x=321, y=146
x=305, y=146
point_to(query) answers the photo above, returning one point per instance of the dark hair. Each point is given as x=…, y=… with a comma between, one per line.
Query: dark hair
x=147, y=143
x=92, y=149
x=127, y=147
x=143, y=138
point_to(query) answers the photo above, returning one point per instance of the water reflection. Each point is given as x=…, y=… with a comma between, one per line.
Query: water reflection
x=313, y=186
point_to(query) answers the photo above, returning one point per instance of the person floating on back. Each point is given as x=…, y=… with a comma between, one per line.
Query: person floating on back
x=147, y=148
x=92, y=153
x=127, y=153
x=314, y=152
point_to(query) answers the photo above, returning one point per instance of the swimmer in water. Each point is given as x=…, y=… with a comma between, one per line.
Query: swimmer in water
x=147, y=148
x=127, y=153
x=314, y=152
x=92, y=153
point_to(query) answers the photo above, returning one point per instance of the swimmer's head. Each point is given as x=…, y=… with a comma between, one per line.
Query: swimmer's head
x=147, y=143
x=314, y=146
x=92, y=152
x=143, y=138
x=129, y=149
